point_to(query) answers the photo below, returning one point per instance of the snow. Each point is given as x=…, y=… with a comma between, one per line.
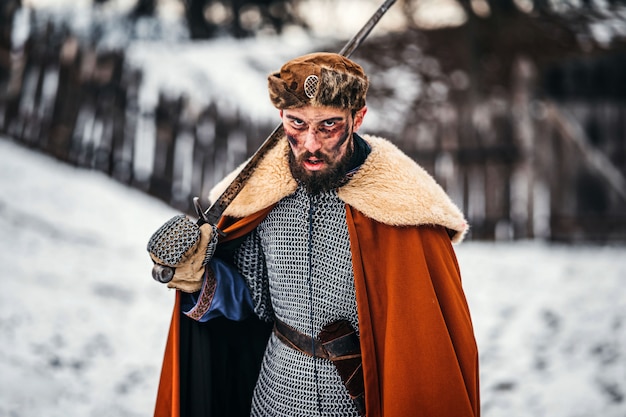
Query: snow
x=83, y=325
x=81, y=321
x=550, y=322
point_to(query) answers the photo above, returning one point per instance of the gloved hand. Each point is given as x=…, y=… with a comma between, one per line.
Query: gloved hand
x=186, y=247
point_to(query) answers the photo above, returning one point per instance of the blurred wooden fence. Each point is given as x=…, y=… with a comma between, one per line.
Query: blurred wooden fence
x=81, y=106
x=518, y=167
x=531, y=171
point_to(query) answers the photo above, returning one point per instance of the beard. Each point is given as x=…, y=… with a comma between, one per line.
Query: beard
x=316, y=182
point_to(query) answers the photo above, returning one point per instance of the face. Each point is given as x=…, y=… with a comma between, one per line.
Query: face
x=321, y=143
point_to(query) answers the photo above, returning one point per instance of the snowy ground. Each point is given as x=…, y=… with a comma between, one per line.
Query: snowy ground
x=83, y=326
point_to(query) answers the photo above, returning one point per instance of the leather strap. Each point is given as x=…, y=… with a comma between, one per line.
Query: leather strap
x=298, y=340
x=340, y=345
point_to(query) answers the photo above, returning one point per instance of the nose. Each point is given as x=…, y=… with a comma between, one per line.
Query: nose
x=311, y=143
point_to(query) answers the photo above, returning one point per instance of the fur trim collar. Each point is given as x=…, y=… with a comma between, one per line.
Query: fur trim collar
x=389, y=187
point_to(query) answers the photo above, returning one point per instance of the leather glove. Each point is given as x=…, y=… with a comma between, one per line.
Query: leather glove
x=186, y=247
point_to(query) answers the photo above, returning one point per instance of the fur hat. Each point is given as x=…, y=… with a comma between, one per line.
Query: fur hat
x=319, y=79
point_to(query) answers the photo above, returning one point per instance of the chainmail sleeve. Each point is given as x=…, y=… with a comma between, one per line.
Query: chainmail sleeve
x=250, y=261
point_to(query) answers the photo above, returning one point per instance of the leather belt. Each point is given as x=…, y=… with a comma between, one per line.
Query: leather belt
x=338, y=343
x=298, y=340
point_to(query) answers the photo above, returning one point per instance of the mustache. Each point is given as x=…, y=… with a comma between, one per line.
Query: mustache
x=317, y=155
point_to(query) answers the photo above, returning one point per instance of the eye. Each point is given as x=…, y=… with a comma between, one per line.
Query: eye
x=297, y=122
x=329, y=123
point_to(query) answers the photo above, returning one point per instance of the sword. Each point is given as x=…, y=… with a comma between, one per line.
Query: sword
x=214, y=213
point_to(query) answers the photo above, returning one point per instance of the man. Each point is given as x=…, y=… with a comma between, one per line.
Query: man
x=335, y=291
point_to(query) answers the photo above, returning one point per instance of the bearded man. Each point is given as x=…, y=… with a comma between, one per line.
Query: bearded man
x=333, y=288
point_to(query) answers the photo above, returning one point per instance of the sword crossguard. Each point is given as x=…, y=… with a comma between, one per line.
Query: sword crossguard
x=202, y=217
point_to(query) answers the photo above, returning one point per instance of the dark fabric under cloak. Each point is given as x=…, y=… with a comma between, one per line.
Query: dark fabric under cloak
x=219, y=365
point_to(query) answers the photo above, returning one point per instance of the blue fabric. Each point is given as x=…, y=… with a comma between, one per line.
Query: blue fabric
x=232, y=297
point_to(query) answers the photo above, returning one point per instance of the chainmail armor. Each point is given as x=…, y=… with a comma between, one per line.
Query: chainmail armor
x=299, y=257
x=251, y=264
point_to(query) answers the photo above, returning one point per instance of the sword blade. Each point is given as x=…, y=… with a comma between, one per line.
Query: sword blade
x=215, y=212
